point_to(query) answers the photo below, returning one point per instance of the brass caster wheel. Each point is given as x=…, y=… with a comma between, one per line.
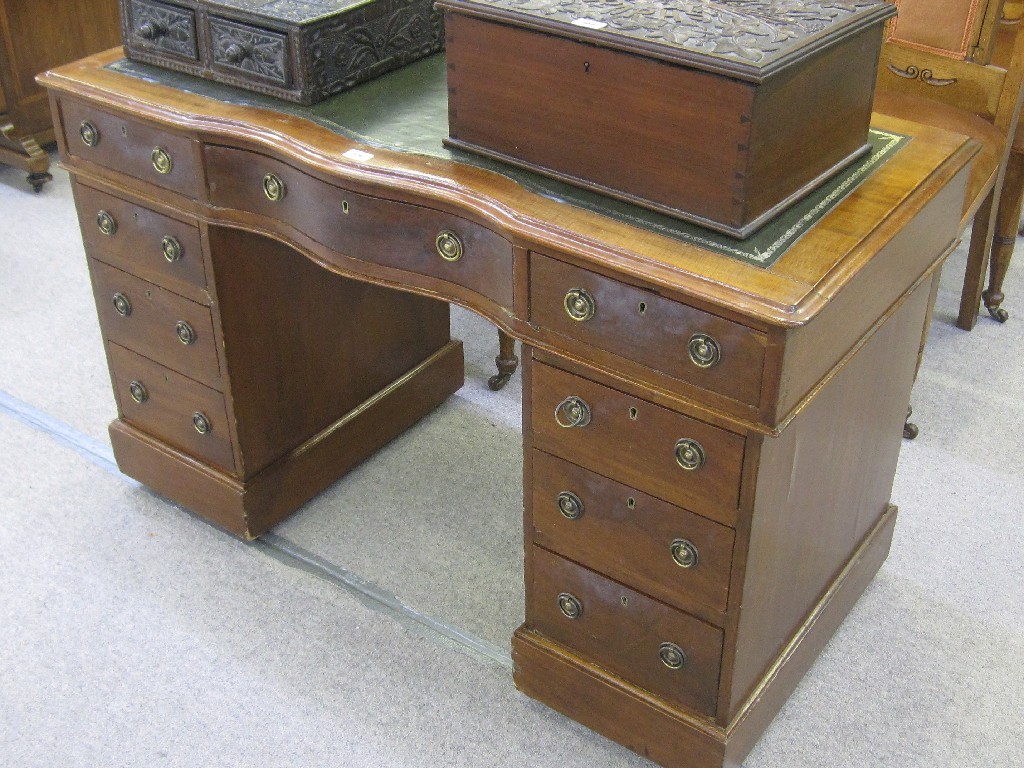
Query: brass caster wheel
x=498, y=381
x=910, y=431
x=38, y=179
x=999, y=314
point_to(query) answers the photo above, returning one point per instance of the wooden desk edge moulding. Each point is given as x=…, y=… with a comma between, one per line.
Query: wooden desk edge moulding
x=655, y=372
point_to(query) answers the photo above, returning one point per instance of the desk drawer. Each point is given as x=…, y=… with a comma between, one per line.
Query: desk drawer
x=138, y=149
x=667, y=652
x=157, y=248
x=665, y=335
x=674, y=555
x=156, y=323
x=678, y=459
x=161, y=28
x=171, y=407
x=393, y=234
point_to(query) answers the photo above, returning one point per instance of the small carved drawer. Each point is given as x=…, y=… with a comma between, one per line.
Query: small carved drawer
x=674, y=555
x=138, y=149
x=161, y=28
x=665, y=335
x=156, y=323
x=157, y=248
x=667, y=652
x=678, y=459
x=172, y=407
x=259, y=55
x=407, y=237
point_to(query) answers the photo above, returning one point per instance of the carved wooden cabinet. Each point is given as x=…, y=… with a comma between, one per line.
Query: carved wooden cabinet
x=709, y=443
x=33, y=38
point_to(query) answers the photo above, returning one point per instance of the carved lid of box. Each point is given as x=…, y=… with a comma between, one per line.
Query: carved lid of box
x=296, y=12
x=747, y=39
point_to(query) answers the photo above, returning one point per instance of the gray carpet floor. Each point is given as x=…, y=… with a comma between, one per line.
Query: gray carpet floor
x=372, y=627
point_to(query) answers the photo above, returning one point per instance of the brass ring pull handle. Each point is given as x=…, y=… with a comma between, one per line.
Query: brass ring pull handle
x=151, y=30
x=122, y=306
x=236, y=53
x=704, y=350
x=107, y=224
x=672, y=656
x=201, y=423
x=690, y=454
x=89, y=133
x=162, y=162
x=186, y=334
x=570, y=606
x=449, y=245
x=273, y=187
x=684, y=553
x=570, y=505
x=579, y=305
x=138, y=392
x=572, y=412
x=171, y=248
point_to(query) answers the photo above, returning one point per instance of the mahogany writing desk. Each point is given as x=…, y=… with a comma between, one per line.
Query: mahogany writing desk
x=711, y=429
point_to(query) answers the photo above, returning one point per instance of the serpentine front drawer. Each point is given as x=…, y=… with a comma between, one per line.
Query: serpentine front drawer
x=685, y=343
x=133, y=147
x=157, y=323
x=665, y=651
x=681, y=460
x=408, y=237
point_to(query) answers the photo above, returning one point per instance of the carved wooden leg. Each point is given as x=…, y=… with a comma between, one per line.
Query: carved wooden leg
x=506, y=361
x=977, y=264
x=1007, y=221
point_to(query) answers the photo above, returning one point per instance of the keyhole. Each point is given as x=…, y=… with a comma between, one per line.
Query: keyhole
x=632, y=414
x=642, y=307
x=124, y=130
x=344, y=206
x=586, y=66
x=624, y=600
x=631, y=502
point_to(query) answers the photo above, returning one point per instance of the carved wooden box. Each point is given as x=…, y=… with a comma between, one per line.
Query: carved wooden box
x=721, y=113
x=299, y=50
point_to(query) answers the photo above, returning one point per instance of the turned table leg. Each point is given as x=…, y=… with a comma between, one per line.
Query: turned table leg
x=1005, y=238
x=506, y=361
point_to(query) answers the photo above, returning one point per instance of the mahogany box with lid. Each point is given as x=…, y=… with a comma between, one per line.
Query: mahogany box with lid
x=299, y=50
x=720, y=112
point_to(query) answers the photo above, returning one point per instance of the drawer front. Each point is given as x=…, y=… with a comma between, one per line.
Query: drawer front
x=135, y=148
x=156, y=323
x=251, y=53
x=171, y=407
x=161, y=28
x=667, y=552
x=678, y=459
x=690, y=345
x=667, y=652
x=154, y=247
x=406, y=237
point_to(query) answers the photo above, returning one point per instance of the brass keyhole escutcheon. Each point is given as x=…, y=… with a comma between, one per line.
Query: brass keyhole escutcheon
x=704, y=350
x=690, y=454
x=186, y=334
x=579, y=305
x=570, y=505
x=684, y=553
x=171, y=248
x=122, y=306
x=90, y=134
x=572, y=412
x=449, y=246
x=569, y=606
x=106, y=223
x=200, y=422
x=138, y=392
x=273, y=187
x=671, y=655
x=161, y=161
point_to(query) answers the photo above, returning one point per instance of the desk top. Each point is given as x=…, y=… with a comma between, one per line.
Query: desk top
x=788, y=293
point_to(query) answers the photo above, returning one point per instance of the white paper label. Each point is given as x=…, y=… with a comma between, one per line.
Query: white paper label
x=589, y=23
x=358, y=155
